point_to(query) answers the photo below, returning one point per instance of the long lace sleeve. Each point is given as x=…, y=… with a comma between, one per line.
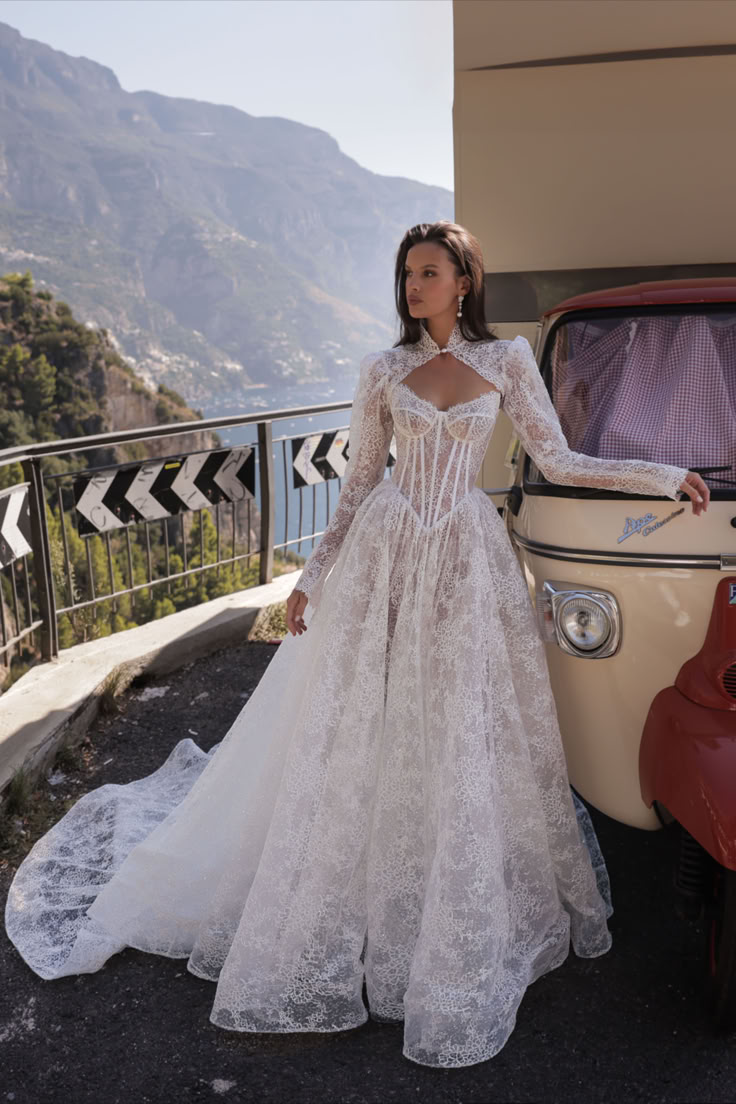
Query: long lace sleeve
x=529, y=406
x=371, y=430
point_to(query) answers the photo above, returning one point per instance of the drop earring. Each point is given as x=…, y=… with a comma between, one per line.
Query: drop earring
x=460, y=305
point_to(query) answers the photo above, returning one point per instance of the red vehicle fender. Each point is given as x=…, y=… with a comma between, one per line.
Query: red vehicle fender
x=687, y=755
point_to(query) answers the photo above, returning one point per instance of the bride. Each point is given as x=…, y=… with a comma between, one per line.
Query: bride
x=387, y=828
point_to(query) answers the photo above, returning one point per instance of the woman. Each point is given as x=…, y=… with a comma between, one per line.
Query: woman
x=391, y=807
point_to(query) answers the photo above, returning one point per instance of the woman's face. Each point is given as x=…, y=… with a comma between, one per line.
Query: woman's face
x=432, y=285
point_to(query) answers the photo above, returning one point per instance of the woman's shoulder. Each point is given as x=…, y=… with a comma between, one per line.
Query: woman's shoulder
x=494, y=345
x=520, y=342
x=504, y=345
x=385, y=362
x=487, y=357
x=519, y=354
x=370, y=359
x=374, y=370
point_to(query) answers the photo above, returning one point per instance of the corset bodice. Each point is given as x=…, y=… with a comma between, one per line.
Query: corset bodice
x=439, y=452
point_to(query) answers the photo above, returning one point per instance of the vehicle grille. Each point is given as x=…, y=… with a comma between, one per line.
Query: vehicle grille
x=728, y=680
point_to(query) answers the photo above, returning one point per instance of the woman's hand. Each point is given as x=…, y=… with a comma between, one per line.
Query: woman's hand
x=296, y=604
x=695, y=486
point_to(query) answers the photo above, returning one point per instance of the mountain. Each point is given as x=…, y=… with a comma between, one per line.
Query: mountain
x=61, y=379
x=224, y=252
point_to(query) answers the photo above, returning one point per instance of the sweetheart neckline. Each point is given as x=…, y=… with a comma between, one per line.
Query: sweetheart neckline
x=454, y=406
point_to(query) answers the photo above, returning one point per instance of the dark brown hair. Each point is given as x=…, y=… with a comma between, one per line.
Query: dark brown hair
x=465, y=253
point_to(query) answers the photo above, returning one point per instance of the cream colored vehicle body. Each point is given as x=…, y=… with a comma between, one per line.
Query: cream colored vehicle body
x=660, y=564
x=589, y=155
x=665, y=609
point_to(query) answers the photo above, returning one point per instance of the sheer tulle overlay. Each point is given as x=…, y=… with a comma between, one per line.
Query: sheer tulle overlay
x=391, y=806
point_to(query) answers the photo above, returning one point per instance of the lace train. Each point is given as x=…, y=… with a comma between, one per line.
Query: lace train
x=391, y=805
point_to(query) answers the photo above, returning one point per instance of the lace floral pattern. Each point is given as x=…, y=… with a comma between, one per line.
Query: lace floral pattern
x=391, y=806
x=508, y=365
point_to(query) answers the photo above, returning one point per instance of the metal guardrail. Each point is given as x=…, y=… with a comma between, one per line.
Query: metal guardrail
x=35, y=578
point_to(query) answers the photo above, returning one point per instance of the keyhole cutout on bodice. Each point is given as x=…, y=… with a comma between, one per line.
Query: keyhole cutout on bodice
x=446, y=381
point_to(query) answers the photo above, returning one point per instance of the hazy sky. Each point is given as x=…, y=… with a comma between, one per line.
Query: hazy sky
x=375, y=74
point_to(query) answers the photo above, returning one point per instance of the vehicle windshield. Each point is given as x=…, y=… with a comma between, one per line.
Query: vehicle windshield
x=651, y=387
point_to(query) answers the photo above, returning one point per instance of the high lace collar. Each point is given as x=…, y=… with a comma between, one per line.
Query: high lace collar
x=429, y=346
x=484, y=357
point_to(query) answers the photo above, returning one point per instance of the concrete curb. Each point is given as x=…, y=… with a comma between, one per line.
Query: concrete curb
x=54, y=703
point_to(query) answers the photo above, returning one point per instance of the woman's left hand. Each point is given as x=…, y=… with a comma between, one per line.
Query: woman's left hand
x=695, y=486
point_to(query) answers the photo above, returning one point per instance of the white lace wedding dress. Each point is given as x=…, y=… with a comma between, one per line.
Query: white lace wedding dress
x=391, y=806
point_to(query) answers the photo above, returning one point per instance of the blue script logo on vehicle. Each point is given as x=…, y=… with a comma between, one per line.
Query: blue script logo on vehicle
x=647, y=524
x=732, y=594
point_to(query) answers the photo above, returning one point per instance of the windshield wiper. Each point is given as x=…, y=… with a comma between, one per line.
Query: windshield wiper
x=714, y=478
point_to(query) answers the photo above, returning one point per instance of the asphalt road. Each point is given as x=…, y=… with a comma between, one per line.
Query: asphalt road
x=629, y=1026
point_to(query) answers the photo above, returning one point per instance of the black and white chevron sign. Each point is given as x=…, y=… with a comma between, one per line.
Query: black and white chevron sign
x=154, y=489
x=322, y=456
x=15, y=524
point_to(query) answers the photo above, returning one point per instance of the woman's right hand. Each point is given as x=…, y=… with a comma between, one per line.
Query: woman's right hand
x=296, y=604
x=695, y=486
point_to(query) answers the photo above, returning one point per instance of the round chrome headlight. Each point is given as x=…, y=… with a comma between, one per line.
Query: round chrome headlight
x=584, y=621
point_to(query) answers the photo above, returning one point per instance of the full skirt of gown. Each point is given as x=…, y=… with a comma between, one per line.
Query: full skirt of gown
x=391, y=808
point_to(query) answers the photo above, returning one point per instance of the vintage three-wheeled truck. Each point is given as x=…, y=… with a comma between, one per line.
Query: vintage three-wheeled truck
x=590, y=163
x=636, y=596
